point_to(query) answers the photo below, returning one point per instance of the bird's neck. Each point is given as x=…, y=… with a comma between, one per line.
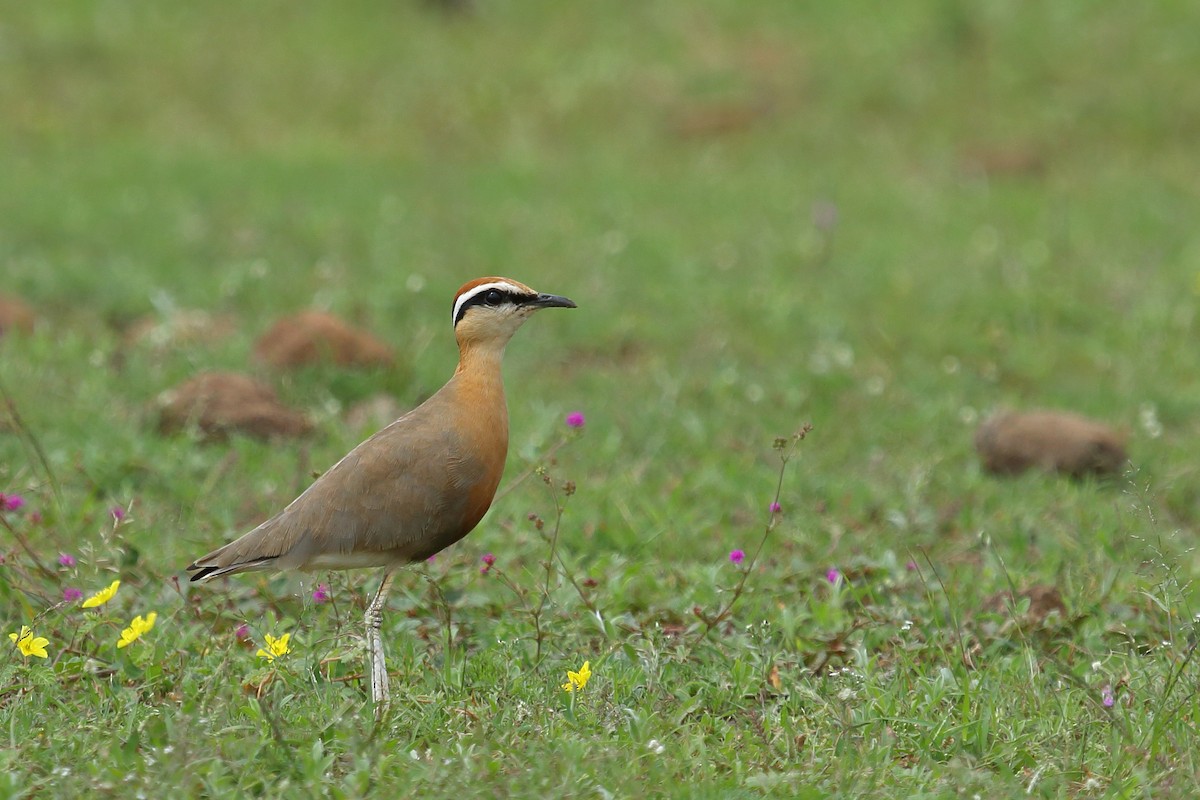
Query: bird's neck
x=479, y=369
x=482, y=407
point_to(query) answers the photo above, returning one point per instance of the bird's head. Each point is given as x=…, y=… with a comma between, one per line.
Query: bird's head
x=488, y=311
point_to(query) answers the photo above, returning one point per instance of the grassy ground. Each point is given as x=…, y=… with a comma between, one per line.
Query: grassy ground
x=882, y=223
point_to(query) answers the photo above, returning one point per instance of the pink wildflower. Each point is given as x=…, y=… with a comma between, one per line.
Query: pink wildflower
x=488, y=560
x=117, y=513
x=737, y=556
x=66, y=560
x=832, y=575
x=71, y=594
x=242, y=632
x=776, y=508
x=11, y=502
x=575, y=419
x=1106, y=696
x=321, y=593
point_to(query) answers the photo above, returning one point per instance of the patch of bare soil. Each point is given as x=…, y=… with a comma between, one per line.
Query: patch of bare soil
x=180, y=329
x=312, y=337
x=219, y=403
x=710, y=121
x=1055, y=441
x=1044, y=600
x=15, y=315
x=1005, y=160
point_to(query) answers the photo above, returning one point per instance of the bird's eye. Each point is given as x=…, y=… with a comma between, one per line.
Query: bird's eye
x=493, y=298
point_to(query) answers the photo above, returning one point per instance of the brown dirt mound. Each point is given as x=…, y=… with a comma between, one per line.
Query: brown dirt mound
x=315, y=336
x=1044, y=600
x=182, y=328
x=219, y=403
x=1017, y=160
x=720, y=119
x=15, y=315
x=1056, y=441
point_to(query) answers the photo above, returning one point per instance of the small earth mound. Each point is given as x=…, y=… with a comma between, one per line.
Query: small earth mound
x=1014, y=159
x=1044, y=600
x=15, y=315
x=374, y=412
x=709, y=121
x=1056, y=441
x=219, y=403
x=179, y=329
x=312, y=337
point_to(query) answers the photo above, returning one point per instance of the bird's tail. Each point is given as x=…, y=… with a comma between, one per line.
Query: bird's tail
x=202, y=572
x=245, y=554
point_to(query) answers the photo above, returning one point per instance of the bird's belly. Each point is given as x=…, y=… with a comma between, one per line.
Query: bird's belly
x=352, y=560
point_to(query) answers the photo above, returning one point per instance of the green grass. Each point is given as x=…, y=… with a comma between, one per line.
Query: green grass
x=666, y=166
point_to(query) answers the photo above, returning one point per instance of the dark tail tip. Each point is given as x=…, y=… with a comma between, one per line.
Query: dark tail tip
x=201, y=572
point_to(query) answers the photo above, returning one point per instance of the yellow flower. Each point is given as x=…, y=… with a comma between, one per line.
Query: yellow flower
x=103, y=596
x=136, y=628
x=28, y=644
x=578, y=680
x=275, y=647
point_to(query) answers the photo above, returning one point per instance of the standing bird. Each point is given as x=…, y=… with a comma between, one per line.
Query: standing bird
x=415, y=487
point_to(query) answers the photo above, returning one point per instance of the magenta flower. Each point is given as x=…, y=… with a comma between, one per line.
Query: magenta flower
x=832, y=575
x=488, y=560
x=321, y=593
x=12, y=502
x=66, y=560
x=35, y=517
x=1106, y=696
x=910, y=566
x=71, y=594
x=776, y=508
x=737, y=556
x=117, y=513
x=432, y=558
x=242, y=632
x=575, y=419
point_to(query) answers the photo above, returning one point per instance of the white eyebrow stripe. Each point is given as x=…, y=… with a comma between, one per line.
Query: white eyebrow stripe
x=483, y=287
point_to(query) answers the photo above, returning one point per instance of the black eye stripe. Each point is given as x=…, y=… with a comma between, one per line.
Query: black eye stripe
x=494, y=298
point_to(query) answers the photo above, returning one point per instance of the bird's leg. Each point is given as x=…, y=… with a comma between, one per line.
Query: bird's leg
x=380, y=695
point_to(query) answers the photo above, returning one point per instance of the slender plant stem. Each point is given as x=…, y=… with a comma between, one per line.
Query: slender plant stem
x=786, y=448
x=21, y=540
x=549, y=564
x=531, y=469
x=31, y=441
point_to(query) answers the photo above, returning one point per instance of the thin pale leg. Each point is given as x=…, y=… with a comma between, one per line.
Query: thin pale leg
x=380, y=692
